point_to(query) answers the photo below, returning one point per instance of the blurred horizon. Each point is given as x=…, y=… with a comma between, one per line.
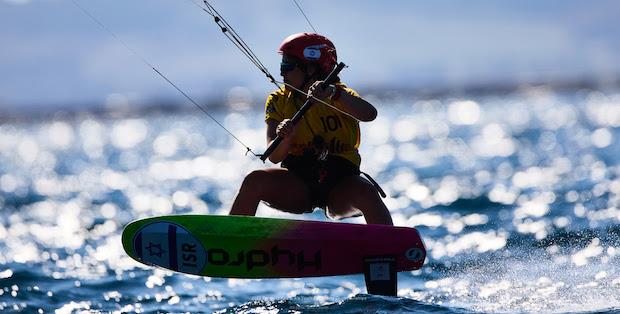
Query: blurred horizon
x=55, y=57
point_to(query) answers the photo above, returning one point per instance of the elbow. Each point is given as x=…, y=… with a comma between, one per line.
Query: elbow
x=370, y=115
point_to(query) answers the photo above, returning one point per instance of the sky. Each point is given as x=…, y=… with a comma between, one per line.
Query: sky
x=53, y=54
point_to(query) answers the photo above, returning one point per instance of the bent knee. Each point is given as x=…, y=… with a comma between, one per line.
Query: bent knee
x=254, y=180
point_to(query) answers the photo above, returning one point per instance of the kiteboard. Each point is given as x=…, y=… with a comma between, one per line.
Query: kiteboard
x=253, y=247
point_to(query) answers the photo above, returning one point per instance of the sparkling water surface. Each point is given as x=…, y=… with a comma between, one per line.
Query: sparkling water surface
x=516, y=196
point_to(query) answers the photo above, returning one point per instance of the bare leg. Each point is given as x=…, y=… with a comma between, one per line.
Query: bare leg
x=278, y=187
x=357, y=194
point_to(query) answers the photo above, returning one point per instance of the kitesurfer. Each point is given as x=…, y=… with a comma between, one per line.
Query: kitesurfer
x=319, y=156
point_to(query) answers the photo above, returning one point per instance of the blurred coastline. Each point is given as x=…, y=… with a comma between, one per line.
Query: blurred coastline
x=241, y=99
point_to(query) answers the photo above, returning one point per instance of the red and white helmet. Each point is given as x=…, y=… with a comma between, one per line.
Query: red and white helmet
x=311, y=47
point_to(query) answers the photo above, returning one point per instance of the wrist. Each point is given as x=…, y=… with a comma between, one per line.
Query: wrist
x=336, y=93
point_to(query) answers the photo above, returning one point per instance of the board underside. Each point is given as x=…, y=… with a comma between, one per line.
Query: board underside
x=253, y=247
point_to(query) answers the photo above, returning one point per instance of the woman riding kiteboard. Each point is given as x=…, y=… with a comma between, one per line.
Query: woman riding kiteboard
x=319, y=156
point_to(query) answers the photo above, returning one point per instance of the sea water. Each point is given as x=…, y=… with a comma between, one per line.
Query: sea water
x=516, y=196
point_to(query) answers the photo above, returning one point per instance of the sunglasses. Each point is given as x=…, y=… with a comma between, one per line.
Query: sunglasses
x=287, y=66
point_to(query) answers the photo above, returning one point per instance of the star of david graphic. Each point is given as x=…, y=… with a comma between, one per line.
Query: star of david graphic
x=155, y=249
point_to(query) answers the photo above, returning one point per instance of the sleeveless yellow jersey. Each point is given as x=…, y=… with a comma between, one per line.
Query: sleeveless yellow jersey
x=341, y=133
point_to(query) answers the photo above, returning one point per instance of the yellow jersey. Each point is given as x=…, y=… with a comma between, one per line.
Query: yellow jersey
x=340, y=133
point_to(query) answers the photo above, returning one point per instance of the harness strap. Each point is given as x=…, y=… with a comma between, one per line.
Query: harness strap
x=377, y=186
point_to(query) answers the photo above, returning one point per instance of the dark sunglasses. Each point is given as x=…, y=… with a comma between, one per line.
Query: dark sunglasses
x=287, y=66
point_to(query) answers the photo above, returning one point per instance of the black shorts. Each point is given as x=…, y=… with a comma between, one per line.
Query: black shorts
x=320, y=176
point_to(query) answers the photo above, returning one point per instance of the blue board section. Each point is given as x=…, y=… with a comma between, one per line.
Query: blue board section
x=169, y=245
